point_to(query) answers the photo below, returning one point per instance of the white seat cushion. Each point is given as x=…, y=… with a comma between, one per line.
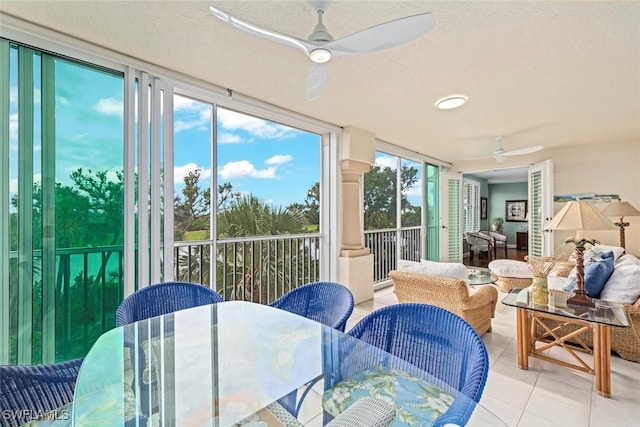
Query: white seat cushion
x=453, y=270
x=510, y=268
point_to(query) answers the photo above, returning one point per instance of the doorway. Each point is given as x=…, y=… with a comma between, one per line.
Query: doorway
x=497, y=189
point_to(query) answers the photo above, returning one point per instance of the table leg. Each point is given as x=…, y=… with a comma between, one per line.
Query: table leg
x=602, y=358
x=523, y=332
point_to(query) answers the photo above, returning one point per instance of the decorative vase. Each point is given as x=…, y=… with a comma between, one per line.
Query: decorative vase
x=540, y=290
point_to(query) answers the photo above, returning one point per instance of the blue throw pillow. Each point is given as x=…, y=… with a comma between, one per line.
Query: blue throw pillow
x=596, y=276
x=605, y=255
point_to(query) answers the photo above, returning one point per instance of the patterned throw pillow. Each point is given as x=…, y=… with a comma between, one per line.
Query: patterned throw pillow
x=417, y=402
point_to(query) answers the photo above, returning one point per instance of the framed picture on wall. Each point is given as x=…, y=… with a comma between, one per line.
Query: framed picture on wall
x=483, y=208
x=516, y=210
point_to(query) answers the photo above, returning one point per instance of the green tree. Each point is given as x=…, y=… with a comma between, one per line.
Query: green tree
x=380, y=202
x=310, y=209
x=254, y=268
x=191, y=210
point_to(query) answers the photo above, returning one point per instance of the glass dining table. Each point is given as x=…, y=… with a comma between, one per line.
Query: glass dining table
x=229, y=364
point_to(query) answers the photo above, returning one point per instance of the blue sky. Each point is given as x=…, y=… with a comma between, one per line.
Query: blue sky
x=275, y=162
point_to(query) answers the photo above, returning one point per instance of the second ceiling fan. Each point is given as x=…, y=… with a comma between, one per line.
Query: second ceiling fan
x=501, y=155
x=321, y=47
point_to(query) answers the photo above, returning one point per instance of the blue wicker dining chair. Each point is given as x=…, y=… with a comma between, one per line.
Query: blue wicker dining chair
x=156, y=300
x=329, y=303
x=29, y=391
x=428, y=337
x=163, y=298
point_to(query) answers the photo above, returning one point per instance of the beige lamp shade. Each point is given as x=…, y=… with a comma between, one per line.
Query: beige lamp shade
x=620, y=209
x=580, y=215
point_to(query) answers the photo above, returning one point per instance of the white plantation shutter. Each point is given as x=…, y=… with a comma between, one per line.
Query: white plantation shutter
x=452, y=215
x=471, y=205
x=540, y=209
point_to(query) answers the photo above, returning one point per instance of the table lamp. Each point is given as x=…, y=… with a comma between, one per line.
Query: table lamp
x=580, y=215
x=621, y=209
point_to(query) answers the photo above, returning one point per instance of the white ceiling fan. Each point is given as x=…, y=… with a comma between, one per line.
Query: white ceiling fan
x=500, y=154
x=320, y=46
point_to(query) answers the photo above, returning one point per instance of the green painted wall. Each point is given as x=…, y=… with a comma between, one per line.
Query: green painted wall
x=498, y=195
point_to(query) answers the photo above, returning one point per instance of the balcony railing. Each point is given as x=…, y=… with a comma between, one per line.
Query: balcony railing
x=89, y=281
x=259, y=269
x=384, y=247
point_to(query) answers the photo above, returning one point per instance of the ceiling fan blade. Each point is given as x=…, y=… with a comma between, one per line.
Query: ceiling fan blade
x=317, y=79
x=384, y=36
x=527, y=150
x=477, y=158
x=263, y=33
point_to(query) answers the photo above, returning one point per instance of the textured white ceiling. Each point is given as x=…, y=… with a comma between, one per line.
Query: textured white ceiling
x=554, y=73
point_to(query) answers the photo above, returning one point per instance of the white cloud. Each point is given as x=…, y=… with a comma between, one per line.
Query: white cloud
x=179, y=172
x=62, y=100
x=231, y=120
x=13, y=127
x=415, y=190
x=182, y=103
x=78, y=137
x=109, y=106
x=245, y=169
x=197, y=114
x=229, y=138
x=13, y=95
x=388, y=162
x=279, y=159
x=180, y=125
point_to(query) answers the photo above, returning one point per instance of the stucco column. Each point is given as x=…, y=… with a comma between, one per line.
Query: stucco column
x=352, y=229
x=355, y=263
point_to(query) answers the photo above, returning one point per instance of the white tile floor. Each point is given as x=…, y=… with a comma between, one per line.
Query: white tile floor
x=546, y=394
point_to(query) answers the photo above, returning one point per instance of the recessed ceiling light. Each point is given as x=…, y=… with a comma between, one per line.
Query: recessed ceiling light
x=449, y=102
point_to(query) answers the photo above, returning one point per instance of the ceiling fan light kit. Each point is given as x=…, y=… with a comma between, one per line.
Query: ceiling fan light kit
x=321, y=47
x=320, y=55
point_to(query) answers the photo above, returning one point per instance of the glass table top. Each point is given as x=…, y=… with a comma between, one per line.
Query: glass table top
x=608, y=313
x=218, y=364
x=480, y=276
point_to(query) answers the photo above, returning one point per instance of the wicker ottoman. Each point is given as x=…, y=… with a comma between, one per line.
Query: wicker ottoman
x=511, y=274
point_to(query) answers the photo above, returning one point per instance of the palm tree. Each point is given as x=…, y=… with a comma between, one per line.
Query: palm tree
x=258, y=270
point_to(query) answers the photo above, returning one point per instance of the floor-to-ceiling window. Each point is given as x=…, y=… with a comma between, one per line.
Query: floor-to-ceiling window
x=62, y=186
x=100, y=161
x=268, y=207
x=265, y=211
x=432, y=212
x=393, y=211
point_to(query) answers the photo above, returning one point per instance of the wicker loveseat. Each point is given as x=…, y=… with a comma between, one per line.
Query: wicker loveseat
x=625, y=342
x=451, y=294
